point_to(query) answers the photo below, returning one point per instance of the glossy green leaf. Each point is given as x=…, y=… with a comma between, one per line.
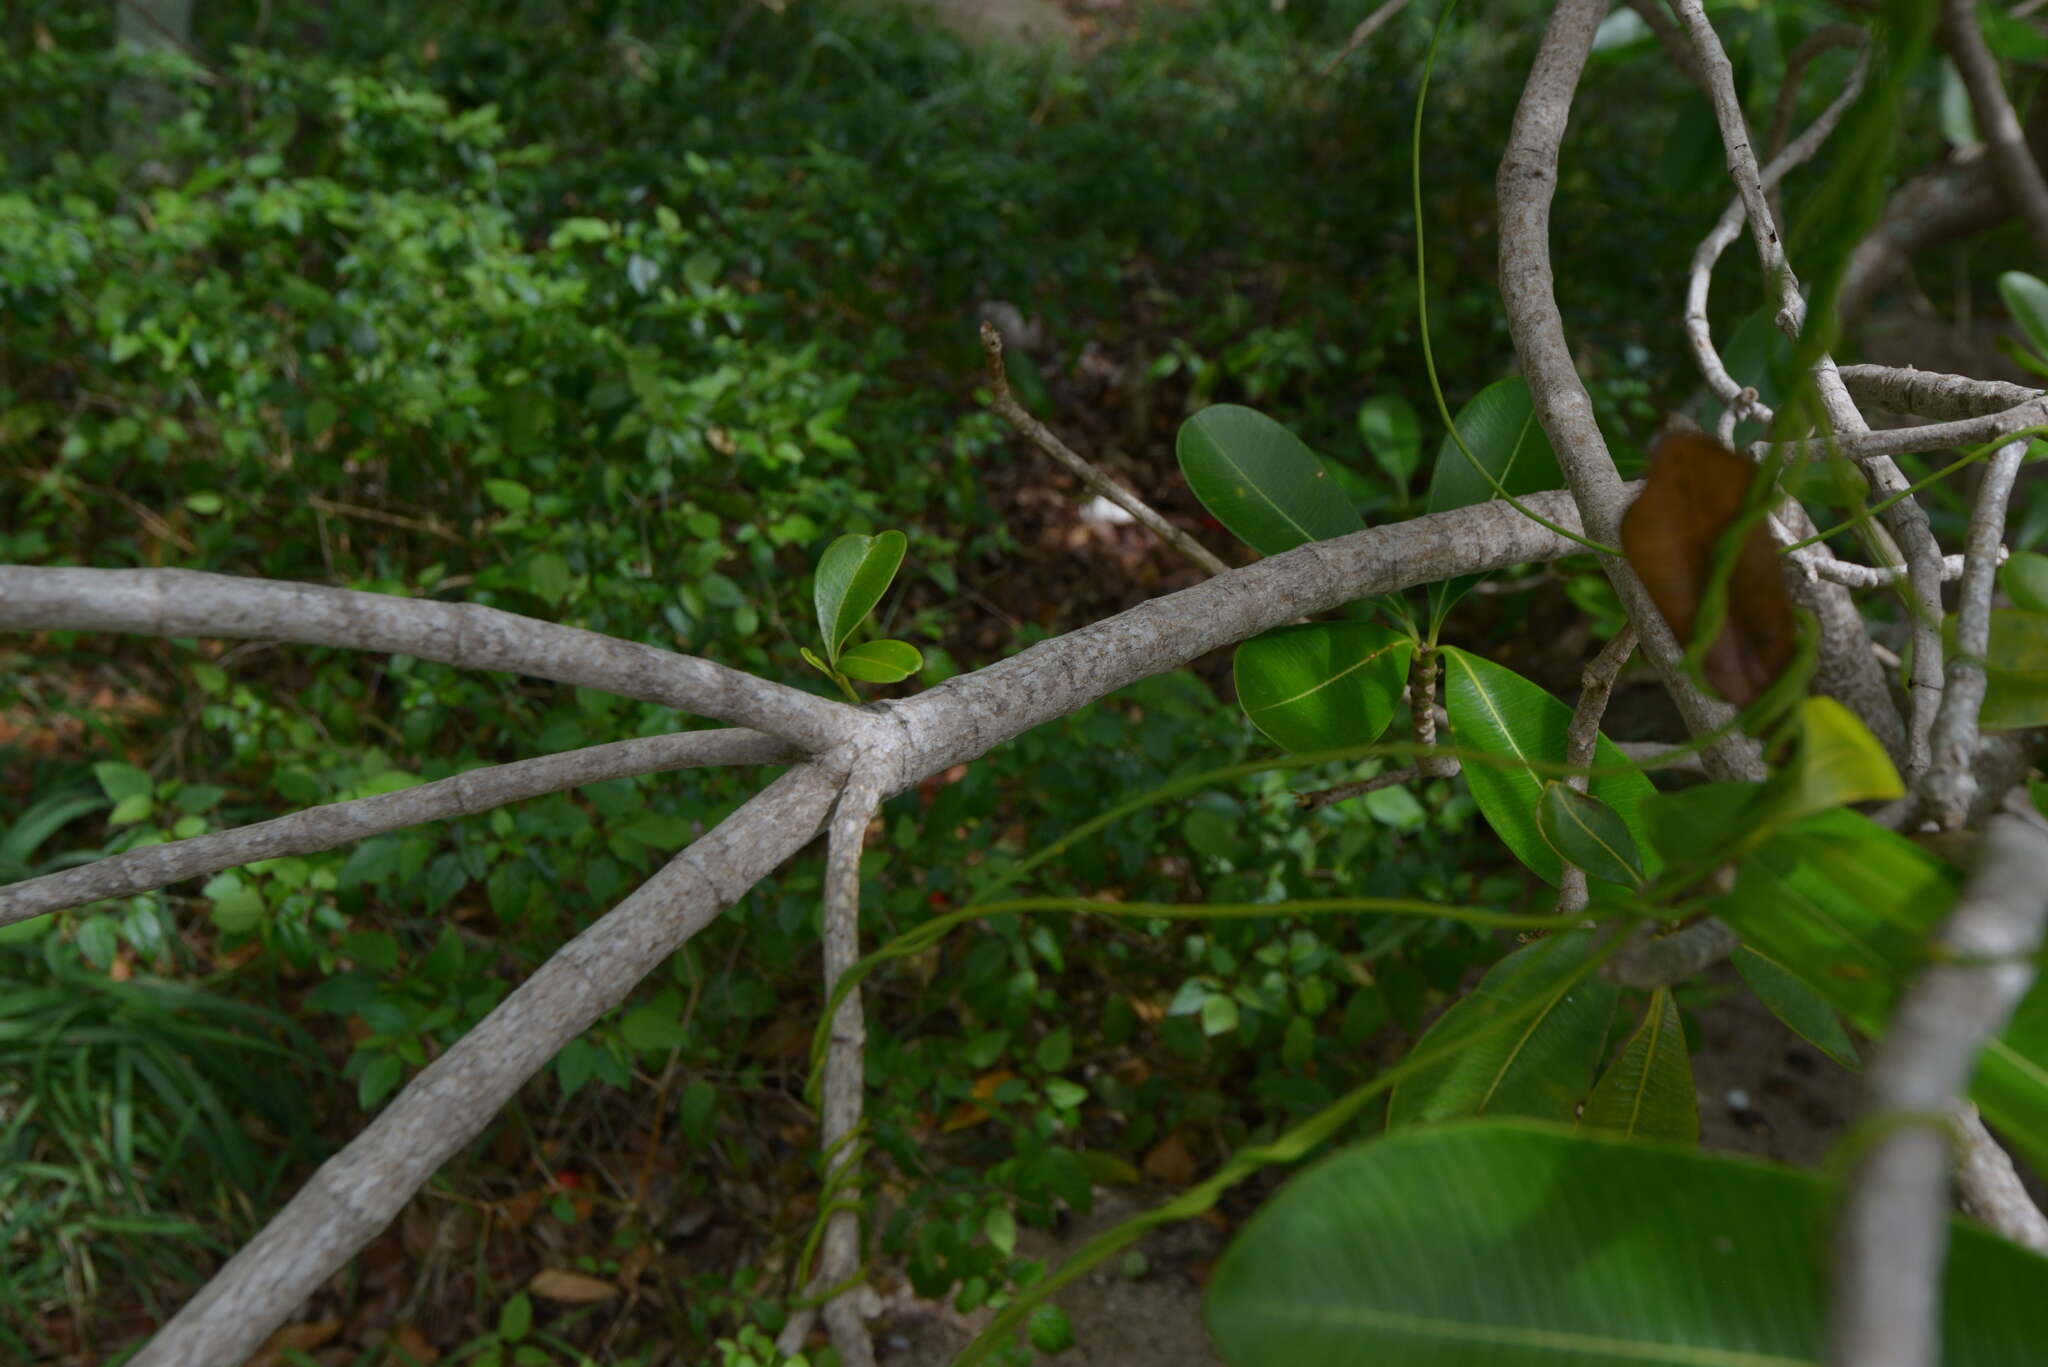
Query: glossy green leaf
x=1540, y=1067
x=1804, y=1011
x=1647, y=1092
x=1515, y=1244
x=2025, y=580
x=1391, y=431
x=853, y=574
x=2015, y=670
x=1259, y=480
x=1322, y=685
x=1500, y=427
x=2026, y=299
x=881, y=662
x=1512, y=723
x=1585, y=831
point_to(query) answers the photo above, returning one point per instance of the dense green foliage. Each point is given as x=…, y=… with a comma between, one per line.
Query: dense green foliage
x=618, y=316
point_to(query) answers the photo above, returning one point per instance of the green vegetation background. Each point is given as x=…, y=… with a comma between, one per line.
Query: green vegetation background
x=614, y=314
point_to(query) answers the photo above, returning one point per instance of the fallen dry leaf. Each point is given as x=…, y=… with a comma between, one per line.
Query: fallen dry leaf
x=573, y=1288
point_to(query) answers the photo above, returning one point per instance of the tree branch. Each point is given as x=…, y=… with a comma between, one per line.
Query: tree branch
x=2011, y=159
x=339, y=823
x=189, y=603
x=1891, y=1232
x=1930, y=394
x=361, y=1189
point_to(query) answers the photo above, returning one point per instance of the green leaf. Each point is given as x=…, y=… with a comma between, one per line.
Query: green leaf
x=548, y=575
x=119, y=781
x=1219, y=1015
x=1512, y=724
x=999, y=1227
x=1259, y=480
x=579, y=230
x=1049, y=1329
x=1323, y=685
x=1837, y=762
x=2026, y=299
x=515, y=1319
x=2015, y=669
x=853, y=574
x=2025, y=580
x=1391, y=431
x=1957, y=119
x=1586, y=832
x=130, y=810
x=509, y=494
x=1804, y=1011
x=1524, y=1245
x=694, y=1110
x=650, y=1028
x=881, y=662
x=1540, y=1067
x=1500, y=426
x=1647, y=1092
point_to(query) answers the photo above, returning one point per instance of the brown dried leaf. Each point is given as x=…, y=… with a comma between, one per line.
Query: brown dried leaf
x=573, y=1288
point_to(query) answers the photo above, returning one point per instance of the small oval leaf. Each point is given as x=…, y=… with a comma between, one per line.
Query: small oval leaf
x=881, y=662
x=2015, y=670
x=2025, y=580
x=1391, y=431
x=1259, y=480
x=1586, y=832
x=2026, y=299
x=1322, y=685
x=1838, y=762
x=853, y=574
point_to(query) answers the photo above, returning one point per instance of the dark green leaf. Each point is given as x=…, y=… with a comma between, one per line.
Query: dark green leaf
x=2026, y=299
x=1499, y=425
x=2025, y=580
x=1804, y=1011
x=1540, y=1066
x=1586, y=832
x=1322, y=685
x=1523, y=1245
x=1259, y=480
x=1512, y=724
x=1647, y=1093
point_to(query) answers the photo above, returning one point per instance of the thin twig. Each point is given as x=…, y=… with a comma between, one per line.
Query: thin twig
x=2018, y=174
x=1651, y=12
x=1344, y=792
x=1950, y=781
x=1366, y=28
x=1582, y=742
x=341, y=823
x=1005, y=404
x=1851, y=575
x=1940, y=436
x=1891, y=1232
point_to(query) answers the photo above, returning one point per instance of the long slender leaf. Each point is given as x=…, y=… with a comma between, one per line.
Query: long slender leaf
x=1647, y=1093
x=1541, y=1069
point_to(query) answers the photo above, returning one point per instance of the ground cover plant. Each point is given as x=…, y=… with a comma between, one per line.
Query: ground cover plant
x=576, y=422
